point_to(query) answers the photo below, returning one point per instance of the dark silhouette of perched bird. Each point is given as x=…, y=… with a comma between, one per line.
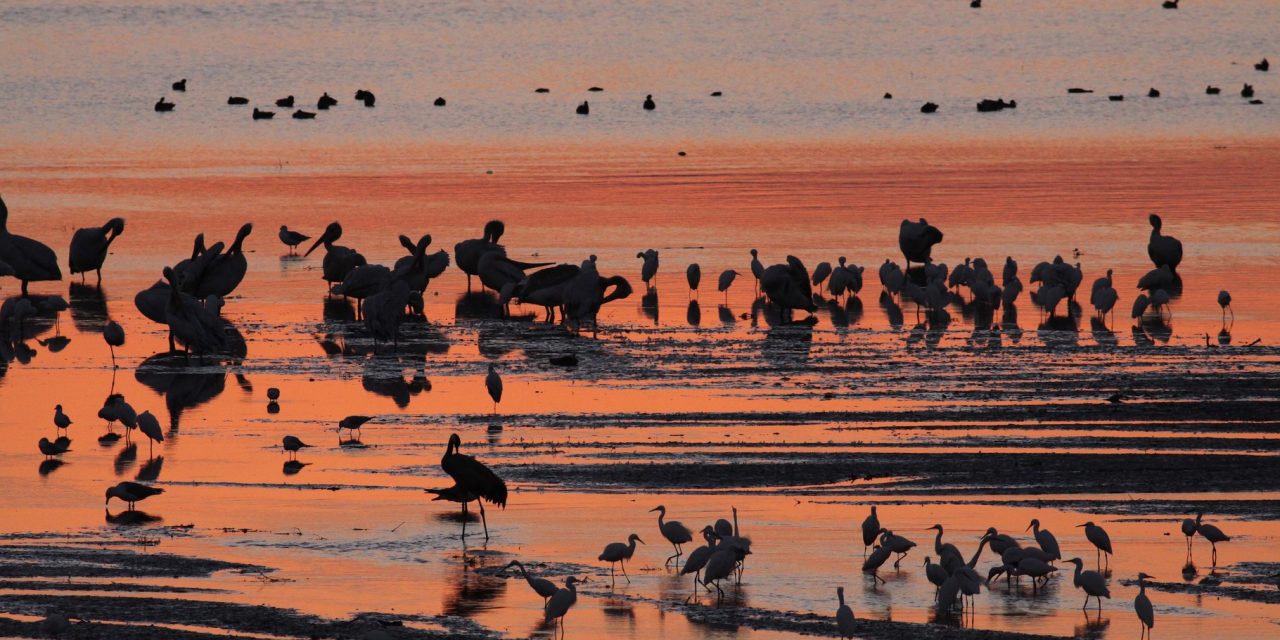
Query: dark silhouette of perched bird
x=326, y=101
x=584, y=108
x=473, y=481
x=649, y=104
x=89, y=247
x=1163, y=250
x=916, y=240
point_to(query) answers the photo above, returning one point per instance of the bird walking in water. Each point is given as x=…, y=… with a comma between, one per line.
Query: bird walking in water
x=150, y=427
x=89, y=247
x=29, y=260
x=618, y=553
x=113, y=335
x=844, y=616
x=1211, y=533
x=472, y=481
x=353, y=425
x=60, y=419
x=1098, y=536
x=1142, y=607
x=131, y=493
x=291, y=446
x=292, y=238
x=561, y=602
x=1189, y=531
x=1091, y=582
x=675, y=533
x=493, y=383
x=540, y=586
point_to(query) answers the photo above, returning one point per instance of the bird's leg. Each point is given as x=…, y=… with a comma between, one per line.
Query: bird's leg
x=483, y=521
x=624, y=570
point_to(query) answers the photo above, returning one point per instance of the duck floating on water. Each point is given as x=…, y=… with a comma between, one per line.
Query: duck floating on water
x=164, y=106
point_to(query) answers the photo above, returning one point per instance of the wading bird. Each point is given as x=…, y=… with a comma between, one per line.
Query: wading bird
x=1189, y=530
x=1091, y=582
x=150, y=427
x=1211, y=533
x=60, y=419
x=694, y=275
x=844, y=616
x=472, y=481
x=870, y=531
x=916, y=240
x=1224, y=301
x=697, y=559
x=561, y=601
x=353, y=424
x=292, y=239
x=30, y=260
x=338, y=260
x=1098, y=536
x=876, y=560
x=757, y=269
x=131, y=493
x=1142, y=606
x=648, y=268
x=291, y=446
x=675, y=533
x=617, y=553
x=1048, y=543
x=113, y=335
x=726, y=280
x=1163, y=250
x=54, y=448
x=89, y=247
x=493, y=383
x=540, y=586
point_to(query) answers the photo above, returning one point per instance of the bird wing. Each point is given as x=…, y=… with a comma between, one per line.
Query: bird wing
x=476, y=478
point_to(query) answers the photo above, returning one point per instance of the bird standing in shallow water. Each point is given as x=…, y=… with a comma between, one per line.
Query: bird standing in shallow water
x=1211, y=533
x=844, y=616
x=493, y=383
x=352, y=424
x=150, y=427
x=1142, y=607
x=540, y=586
x=113, y=335
x=1163, y=250
x=561, y=602
x=132, y=493
x=675, y=533
x=617, y=553
x=870, y=530
x=29, y=260
x=1224, y=301
x=1098, y=536
x=292, y=239
x=472, y=480
x=89, y=247
x=1091, y=582
x=291, y=445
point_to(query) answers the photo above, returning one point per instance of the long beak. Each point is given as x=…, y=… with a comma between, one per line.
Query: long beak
x=324, y=237
x=1027, y=529
x=1079, y=525
x=653, y=509
x=640, y=541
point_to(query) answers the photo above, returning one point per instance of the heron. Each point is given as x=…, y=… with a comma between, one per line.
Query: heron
x=493, y=382
x=757, y=269
x=60, y=419
x=1091, y=582
x=820, y=273
x=113, y=335
x=561, y=601
x=1045, y=538
x=1211, y=533
x=30, y=260
x=675, y=533
x=879, y=554
x=1224, y=301
x=936, y=575
x=1098, y=536
x=720, y=565
x=150, y=427
x=338, y=260
x=1142, y=606
x=131, y=493
x=1001, y=542
x=943, y=549
x=870, y=530
x=89, y=247
x=617, y=553
x=474, y=480
x=844, y=616
x=353, y=425
x=648, y=268
x=291, y=446
x=697, y=559
x=292, y=238
x=726, y=280
x=540, y=586
x=1163, y=250
x=694, y=274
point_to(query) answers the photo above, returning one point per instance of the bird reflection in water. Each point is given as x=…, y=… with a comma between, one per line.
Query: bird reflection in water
x=49, y=466
x=649, y=305
x=88, y=308
x=471, y=592
x=892, y=311
x=694, y=315
x=126, y=458
x=292, y=467
x=726, y=316
x=183, y=387
x=1102, y=334
x=788, y=345
x=150, y=471
x=131, y=518
x=1095, y=625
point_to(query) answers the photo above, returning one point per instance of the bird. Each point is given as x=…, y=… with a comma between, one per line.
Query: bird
x=726, y=280
x=384, y=311
x=353, y=424
x=1170, y=4
x=648, y=103
x=1246, y=91
x=440, y=102
x=493, y=383
x=561, y=601
x=195, y=326
x=675, y=533
x=1189, y=530
x=788, y=286
x=1163, y=250
x=131, y=493
x=180, y=85
x=916, y=240
x=720, y=565
x=54, y=448
x=697, y=559
x=113, y=335
x=60, y=419
x=326, y=101
x=338, y=260
x=472, y=481
x=150, y=427
x=237, y=100
x=366, y=97
x=1211, y=533
x=467, y=254
x=292, y=239
x=362, y=282
x=1099, y=538
x=273, y=394
x=820, y=274
x=540, y=586
x=304, y=115
x=944, y=550
x=223, y=273
x=1091, y=582
x=259, y=114
x=694, y=275
x=1264, y=65
x=874, y=561
x=584, y=108
x=1142, y=606
x=870, y=530
x=1224, y=301
x=935, y=573
x=617, y=553
x=89, y=247
x=1212, y=90
x=844, y=616
x=929, y=107
x=163, y=106
x=291, y=446
x=285, y=102
x=29, y=260
x=1048, y=543
x=649, y=268
x=1153, y=93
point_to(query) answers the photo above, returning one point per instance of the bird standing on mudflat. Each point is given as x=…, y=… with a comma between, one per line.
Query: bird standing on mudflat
x=844, y=616
x=1142, y=607
x=132, y=493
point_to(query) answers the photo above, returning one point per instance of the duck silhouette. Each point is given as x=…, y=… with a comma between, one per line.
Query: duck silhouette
x=1262, y=66
x=1153, y=93
x=439, y=102
x=928, y=107
x=1212, y=90
x=259, y=114
x=180, y=85
x=1246, y=91
x=648, y=103
x=163, y=106
x=326, y=101
x=303, y=115
x=285, y=102
x=584, y=108
x=237, y=100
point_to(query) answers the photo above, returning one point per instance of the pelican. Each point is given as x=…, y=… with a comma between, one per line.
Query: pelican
x=225, y=272
x=1224, y=301
x=787, y=285
x=936, y=575
x=561, y=601
x=617, y=553
x=418, y=268
x=1048, y=543
x=29, y=260
x=292, y=239
x=60, y=419
x=468, y=252
x=180, y=85
x=189, y=322
x=366, y=97
x=384, y=310
x=338, y=260
x=501, y=274
x=757, y=268
x=844, y=616
x=584, y=295
x=353, y=424
x=540, y=586
x=89, y=247
x=113, y=335
x=1142, y=606
x=1098, y=536
x=649, y=268
x=870, y=530
x=1091, y=582
x=493, y=383
x=291, y=446
x=361, y=282
x=916, y=240
x=150, y=427
x=726, y=280
x=694, y=275
x=475, y=480
x=874, y=561
x=1211, y=533
x=1163, y=250
x=675, y=533
x=131, y=493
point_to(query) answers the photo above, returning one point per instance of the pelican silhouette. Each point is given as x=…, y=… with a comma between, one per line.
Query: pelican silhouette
x=546, y=287
x=89, y=247
x=472, y=481
x=788, y=286
x=192, y=325
x=418, y=268
x=468, y=253
x=363, y=281
x=338, y=260
x=1163, y=250
x=30, y=260
x=584, y=295
x=384, y=310
x=225, y=272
